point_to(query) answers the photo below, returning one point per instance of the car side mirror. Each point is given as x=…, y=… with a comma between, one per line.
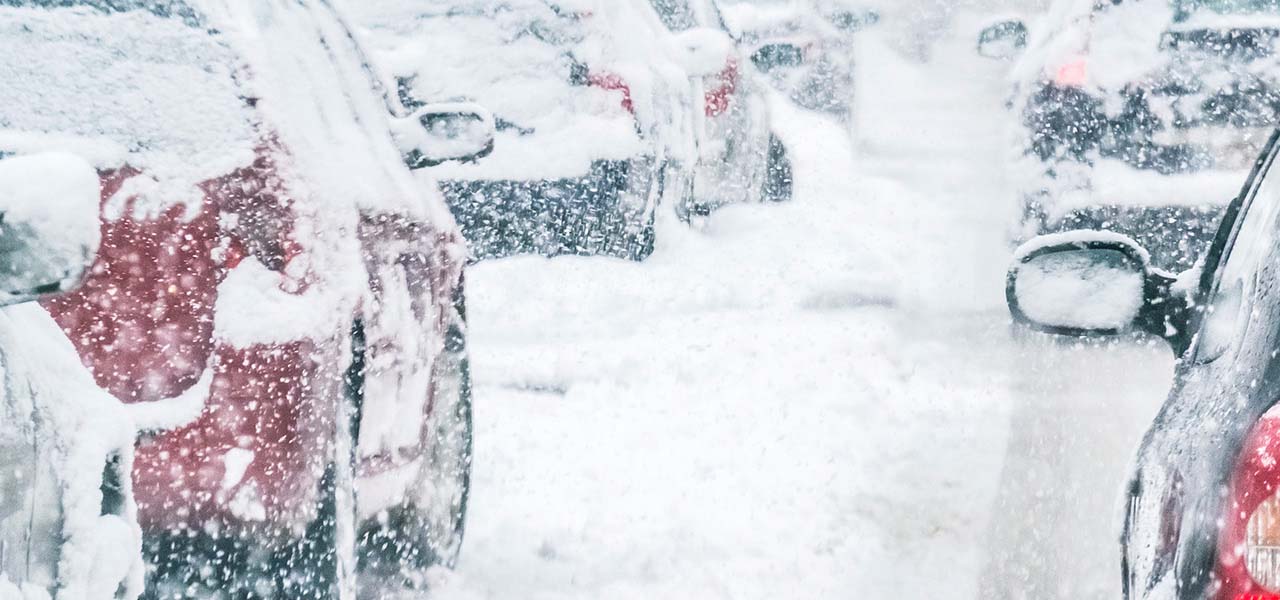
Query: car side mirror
x=1092, y=283
x=49, y=225
x=778, y=55
x=443, y=132
x=703, y=51
x=1004, y=40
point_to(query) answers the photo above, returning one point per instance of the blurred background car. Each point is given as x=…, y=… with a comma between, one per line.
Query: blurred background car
x=806, y=50
x=1139, y=115
x=739, y=157
x=68, y=523
x=594, y=121
x=1202, y=511
x=275, y=297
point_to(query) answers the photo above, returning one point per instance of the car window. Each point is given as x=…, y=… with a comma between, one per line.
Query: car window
x=677, y=15
x=1230, y=310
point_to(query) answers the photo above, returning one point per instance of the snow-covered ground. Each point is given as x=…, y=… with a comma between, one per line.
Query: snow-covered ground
x=819, y=399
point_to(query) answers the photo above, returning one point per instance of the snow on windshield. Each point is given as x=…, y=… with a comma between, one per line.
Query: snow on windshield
x=125, y=88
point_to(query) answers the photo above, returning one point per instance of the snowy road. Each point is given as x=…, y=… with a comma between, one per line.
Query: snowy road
x=812, y=400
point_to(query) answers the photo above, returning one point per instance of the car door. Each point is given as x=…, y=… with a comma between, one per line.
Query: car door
x=1225, y=381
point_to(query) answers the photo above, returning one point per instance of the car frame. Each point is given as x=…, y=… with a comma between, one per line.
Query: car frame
x=291, y=343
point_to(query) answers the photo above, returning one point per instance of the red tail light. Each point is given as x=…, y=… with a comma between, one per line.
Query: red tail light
x=1073, y=73
x=720, y=89
x=1248, y=562
x=611, y=81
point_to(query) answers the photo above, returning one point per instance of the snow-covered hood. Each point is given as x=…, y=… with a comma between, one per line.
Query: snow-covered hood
x=530, y=63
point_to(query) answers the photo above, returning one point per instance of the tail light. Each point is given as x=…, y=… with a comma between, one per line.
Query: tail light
x=720, y=89
x=1073, y=73
x=611, y=81
x=1248, y=562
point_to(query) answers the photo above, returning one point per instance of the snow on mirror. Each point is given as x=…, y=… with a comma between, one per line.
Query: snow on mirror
x=458, y=131
x=48, y=224
x=1088, y=289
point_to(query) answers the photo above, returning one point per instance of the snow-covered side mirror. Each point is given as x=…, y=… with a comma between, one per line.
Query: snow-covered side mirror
x=1004, y=40
x=49, y=227
x=1086, y=283
x=703, y=52
x=443, y=132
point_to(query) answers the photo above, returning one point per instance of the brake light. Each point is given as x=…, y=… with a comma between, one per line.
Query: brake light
x=1248, y=561
x=721, y=88
x=611, y=81
x=1073, y=74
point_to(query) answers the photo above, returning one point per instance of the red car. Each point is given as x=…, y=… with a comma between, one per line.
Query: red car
x=276, y=296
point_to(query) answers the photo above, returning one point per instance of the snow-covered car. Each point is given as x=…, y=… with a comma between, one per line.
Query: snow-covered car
x=68, y=524
x=1139, y=115
x=739, y=157
x=276, y=298
x=594, y=120
x=1202, y=517
x=805, y=51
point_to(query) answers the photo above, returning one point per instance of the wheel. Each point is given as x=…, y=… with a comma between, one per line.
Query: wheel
x=397, y=548
x=778, y=182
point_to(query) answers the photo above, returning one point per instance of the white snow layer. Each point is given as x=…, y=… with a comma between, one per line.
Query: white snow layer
x=48, y=389
x=85, y=78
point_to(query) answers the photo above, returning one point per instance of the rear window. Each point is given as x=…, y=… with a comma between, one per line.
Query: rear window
x=161, y=8
x=1187, y=7
x=677, y=15
x=137, y=83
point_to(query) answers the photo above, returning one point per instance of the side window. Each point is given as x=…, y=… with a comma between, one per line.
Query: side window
x=1232, y=307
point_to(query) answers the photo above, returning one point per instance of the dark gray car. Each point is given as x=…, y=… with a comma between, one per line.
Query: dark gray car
x=1203, y=515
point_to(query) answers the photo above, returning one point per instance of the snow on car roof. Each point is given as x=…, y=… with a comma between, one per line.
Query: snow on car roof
x=98, y=83
x=521, y=60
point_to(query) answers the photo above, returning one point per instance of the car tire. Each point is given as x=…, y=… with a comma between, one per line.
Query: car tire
x=397, y=548
x=778, y=181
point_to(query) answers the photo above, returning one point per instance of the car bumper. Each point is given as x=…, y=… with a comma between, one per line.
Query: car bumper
x=606, y=212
